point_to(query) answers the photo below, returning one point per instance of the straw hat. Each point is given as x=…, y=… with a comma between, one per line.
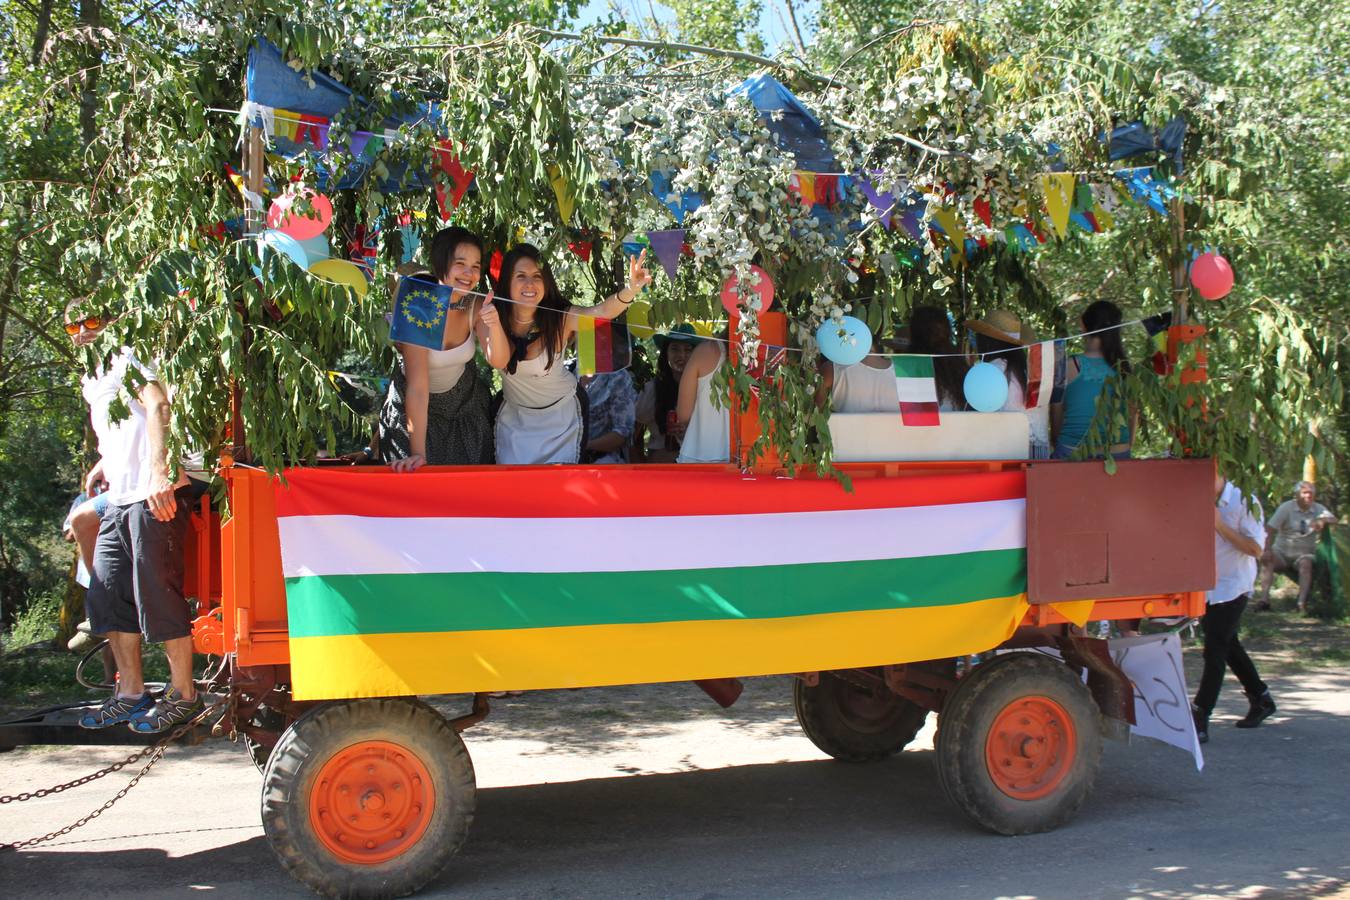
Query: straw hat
x=683, y=333
x=1002, y=325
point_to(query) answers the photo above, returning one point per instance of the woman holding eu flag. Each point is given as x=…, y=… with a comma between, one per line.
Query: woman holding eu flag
x=540, y=419
x=437, y=408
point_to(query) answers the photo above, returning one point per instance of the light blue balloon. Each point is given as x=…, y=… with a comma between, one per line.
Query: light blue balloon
x=986, y=387
x=316, y=249
x=850, y=348
x=284, y=244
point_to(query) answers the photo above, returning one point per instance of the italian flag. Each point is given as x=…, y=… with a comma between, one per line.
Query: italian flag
x=917, y=387
x=483, y=579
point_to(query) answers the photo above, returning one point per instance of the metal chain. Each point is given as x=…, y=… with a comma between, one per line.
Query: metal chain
x=155, y=752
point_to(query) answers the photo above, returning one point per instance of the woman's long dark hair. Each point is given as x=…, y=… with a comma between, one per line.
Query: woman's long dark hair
x=1014, y=354
x=550, y=316
x=667, y=387
x=1105, y=314
x=931, y=332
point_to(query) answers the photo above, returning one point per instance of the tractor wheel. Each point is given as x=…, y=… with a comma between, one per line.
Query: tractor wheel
x=272, y=720
x=368, y=798
x=1019, y=743
x=854, y=723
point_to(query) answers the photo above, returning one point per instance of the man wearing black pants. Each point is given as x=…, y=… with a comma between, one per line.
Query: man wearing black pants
x=1239, y=531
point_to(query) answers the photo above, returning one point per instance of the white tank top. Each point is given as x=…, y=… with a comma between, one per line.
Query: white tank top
x=707, y=439
x=444, y=367
x=859, y=388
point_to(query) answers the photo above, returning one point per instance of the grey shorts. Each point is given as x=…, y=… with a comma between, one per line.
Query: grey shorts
x=137, y=583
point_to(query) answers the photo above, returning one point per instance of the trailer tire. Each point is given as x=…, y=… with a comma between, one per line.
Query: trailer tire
x=368, y=798
x=855, y=724
x=1019, y=744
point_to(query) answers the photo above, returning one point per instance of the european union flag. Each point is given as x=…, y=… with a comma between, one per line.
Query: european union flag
x=419, y=312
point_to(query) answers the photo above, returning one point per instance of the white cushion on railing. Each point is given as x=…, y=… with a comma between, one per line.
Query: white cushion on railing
x=878, y=437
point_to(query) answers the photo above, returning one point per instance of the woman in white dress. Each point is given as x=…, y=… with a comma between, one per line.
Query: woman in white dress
x=706, y=422
x=437, y=409
x=540, y=419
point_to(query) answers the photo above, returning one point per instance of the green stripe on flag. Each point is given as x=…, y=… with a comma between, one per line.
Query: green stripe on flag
x=912, y=366
x=477, y=601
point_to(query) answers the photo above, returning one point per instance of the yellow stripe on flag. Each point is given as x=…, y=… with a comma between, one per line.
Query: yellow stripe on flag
x=381, y=665
x=585, y=345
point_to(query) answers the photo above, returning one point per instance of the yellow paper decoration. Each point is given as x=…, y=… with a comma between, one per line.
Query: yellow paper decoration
x=567, y=201
x=1058, y=190
x=640, y=319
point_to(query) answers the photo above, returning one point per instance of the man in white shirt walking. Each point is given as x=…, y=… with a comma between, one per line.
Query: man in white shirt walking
x=137, y=584
x=1238, y=533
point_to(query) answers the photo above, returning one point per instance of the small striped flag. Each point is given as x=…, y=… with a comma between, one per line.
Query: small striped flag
x=917, y=388
x=603, y=345
x=1040, y=373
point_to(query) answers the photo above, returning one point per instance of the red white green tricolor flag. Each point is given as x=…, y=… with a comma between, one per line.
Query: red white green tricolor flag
x=917, y=387
x=481, y=579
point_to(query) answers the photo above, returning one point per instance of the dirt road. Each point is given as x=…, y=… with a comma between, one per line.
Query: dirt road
x=655, y=792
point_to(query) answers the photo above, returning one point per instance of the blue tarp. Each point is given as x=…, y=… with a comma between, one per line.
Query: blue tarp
x=798, y=131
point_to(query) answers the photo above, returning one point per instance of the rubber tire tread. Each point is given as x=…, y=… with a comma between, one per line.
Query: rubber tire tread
x=312, y=740
x=963, y=729
x=819, y=717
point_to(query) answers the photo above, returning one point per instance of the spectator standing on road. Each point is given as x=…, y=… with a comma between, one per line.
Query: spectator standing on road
x=137, y=585
x=1291, y=542
x=1237, y=546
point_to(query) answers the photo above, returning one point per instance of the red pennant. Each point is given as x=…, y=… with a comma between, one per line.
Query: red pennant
x=459, y=178
x=495, y=266
x=984, y=211
x=581, y=249
x=827, y=190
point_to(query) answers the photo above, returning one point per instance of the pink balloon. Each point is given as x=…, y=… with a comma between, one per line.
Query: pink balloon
x=1212, y=276
x=761, y=292
x=301, y=226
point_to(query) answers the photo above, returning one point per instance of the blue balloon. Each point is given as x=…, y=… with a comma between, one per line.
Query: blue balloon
x=285, y=245
x=986, y=387
x=848, y=348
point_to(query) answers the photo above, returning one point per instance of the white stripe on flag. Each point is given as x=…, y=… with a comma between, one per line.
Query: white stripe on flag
x=373, y=545
x=916, y=390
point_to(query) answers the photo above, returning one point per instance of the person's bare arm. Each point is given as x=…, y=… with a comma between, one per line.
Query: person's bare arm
x=417, y=379
x=1239, y=540
x=614, y=305
x=94, y=482
x=491, y=335
x=160, y=500
x=703, y=361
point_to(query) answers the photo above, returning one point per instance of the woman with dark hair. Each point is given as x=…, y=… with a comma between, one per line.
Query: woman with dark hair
x=437, y=407
x=658, y=439
x=999, y=335
x=930, y=333
x=1087, y=380
x=540, y=419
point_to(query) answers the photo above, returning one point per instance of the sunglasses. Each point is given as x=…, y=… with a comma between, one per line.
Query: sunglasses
x=92, y=323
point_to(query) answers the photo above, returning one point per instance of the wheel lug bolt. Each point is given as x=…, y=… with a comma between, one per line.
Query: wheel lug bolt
x=398, y=833
x=344, y=790
x=370, y=770
x=370, y=845
x=353, y=818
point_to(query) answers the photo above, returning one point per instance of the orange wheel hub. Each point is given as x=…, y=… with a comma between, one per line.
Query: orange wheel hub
x=1030, y=748
x=371, y=802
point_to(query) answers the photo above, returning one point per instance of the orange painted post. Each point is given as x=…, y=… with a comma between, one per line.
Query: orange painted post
x=745, y=421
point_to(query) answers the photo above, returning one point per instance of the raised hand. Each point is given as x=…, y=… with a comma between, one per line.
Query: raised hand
x=638, y=276
x=487, y=312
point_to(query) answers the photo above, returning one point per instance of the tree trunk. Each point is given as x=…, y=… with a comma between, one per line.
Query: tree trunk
x=91, y=20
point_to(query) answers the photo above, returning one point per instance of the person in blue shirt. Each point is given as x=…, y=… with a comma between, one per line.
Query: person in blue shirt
x=1088, y=378
x=1238, y=533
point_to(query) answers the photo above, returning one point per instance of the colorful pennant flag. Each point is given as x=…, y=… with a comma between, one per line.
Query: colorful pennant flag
x=581, y=249
x=1058, y=188
x=917, y=388
x=1040, y=374
x=802, y=185
x=882, y=201
x=666, y=245
x=419, y=313
x=562, y=189
x=449, y=195
x=603, y=345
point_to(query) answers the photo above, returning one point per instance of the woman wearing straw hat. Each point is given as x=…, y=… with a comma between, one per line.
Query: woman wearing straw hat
x=658, y=438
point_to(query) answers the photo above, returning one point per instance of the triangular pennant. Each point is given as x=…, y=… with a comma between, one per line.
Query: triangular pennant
x=1058, y=190
x=882, y=201
x=803, y=186
x=827, y=190
x=667, y=246
x=581, y=248
x=984, y=211
x=448, y=197
x=567, y=200
x=950, y=224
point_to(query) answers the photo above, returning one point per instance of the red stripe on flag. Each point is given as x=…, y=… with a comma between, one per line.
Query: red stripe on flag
x=604, y=346
x=513, y=492
x=1033, y=376
x=925, y=413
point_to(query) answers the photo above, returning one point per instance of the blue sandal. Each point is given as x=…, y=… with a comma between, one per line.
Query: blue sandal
x=115, y=710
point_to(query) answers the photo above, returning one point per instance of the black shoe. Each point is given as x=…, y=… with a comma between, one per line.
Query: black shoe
x=1201, y=725
x=1263, y=707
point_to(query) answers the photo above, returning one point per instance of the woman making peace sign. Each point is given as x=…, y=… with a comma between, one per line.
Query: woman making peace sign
x=540, y=419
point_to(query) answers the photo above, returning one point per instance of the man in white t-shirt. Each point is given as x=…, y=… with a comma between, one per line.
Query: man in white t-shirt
x=137, y=585
x=1237, y=547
